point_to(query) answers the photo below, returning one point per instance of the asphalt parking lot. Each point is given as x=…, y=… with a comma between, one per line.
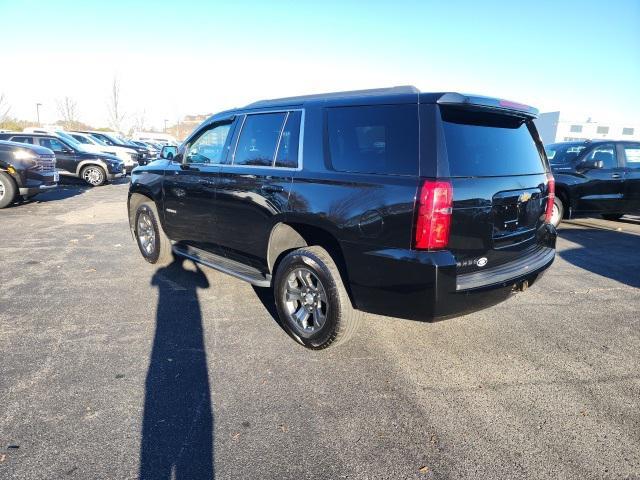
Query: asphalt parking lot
x=114, y=369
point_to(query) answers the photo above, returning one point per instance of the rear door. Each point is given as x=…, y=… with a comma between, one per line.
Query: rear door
x=65, y=157
x=498, y=173
x=631, y=154
x=253, y=187
x=602, y=189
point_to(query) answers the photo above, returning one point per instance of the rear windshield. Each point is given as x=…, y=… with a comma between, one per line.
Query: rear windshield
x=563, y=154
x=481, y=144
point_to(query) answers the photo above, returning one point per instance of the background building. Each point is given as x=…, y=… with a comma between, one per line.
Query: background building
x=554, y=127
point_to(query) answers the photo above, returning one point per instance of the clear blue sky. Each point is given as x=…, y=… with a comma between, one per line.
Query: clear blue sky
x=180, y=57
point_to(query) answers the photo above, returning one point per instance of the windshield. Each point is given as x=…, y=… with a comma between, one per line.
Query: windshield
x=563, y=153
x=482, y=144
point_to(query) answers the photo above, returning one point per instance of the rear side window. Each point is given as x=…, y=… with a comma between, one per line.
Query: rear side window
x=605, y=154
x=481, y=144
x=258, y=139
x=288, y=148
x=632, y=152
x=374, y=139
x=22, y=139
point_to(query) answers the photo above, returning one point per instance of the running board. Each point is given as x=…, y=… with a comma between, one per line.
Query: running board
x=224, y=265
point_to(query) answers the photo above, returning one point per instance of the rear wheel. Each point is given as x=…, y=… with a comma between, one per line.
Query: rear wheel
x=558, y=212
x=153, y=243
x=612, y=216
x=94, y=175
x=7, y=190
x=313, y=305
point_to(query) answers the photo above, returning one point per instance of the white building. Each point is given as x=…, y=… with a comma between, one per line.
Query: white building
x=553, y=127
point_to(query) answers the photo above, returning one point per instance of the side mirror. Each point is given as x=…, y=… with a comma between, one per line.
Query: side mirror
x=591, y=164
x=168, y=152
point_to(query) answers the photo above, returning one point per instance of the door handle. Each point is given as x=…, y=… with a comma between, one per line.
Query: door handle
x=271, y=188
x=208, y=183
x=616, y=175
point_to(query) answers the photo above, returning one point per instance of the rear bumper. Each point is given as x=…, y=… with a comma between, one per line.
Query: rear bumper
x=424, y=286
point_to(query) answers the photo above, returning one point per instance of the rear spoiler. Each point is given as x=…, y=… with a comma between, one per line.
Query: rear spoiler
x=488, y=103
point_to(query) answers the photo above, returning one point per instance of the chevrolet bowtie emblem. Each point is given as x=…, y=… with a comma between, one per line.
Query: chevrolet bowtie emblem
x=524, y=197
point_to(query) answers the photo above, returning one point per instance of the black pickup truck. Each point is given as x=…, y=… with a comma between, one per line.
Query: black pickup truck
x=25, y=170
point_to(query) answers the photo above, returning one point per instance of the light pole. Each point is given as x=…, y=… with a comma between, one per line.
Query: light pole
x=38, y=105
x=165, y=125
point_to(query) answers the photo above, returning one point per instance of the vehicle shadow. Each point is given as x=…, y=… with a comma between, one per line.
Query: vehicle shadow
x=177, y=426
x=598, y=251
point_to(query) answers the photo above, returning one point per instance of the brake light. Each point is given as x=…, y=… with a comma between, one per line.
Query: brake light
x=434, y=215
x=551, y=187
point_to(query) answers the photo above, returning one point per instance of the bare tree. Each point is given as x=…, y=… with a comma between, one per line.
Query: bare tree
x=139, y=122
x=5, y=108
x=116, y=115
x=68, y=110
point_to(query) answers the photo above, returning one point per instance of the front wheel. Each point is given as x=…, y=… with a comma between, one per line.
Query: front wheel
x=7, y=190
x=612, y=216
x=313, y=305
x=94, y=175
x=557, y=213
x=153, y=243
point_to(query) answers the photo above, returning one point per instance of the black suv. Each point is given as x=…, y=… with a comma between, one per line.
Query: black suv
x=595, y=177
x=391, y=201
x=25, y=171
x=72, y=159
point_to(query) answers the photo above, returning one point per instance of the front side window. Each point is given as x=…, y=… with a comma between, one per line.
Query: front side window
x=209, y=146
x=258, y=139
x=52, y=144
x=374, y=139
x=632, y=152
x=605, y=154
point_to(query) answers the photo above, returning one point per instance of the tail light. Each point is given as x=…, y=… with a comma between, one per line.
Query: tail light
x=551, y=187
x=434, y=215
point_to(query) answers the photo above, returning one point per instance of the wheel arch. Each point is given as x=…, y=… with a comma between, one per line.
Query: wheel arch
x=287, y=236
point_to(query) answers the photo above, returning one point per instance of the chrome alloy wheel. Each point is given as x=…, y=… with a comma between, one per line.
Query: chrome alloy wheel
x=146, y=233
x=555, y=215
x=93, y=175
x=305, y=301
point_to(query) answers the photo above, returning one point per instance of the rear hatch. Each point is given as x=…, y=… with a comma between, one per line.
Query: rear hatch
x=499, y=177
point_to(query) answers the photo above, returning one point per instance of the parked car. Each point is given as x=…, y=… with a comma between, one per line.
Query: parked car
x=72, y=159
x=595, y=177
x=113, y=140
x=25, y=171
x=128, y=155
x=154, y=152
x=390, y=201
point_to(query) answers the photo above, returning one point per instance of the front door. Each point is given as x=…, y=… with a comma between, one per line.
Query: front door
x=65, y=156
x=631, y=152
x=253, y=188
x=603, y=190
x=189, y=186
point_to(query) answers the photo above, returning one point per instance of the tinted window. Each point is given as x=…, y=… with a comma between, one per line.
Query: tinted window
x=22, y=139
x=374, y=139
x=606, y=154
x=559, y=154
x=632, y=152
x=288, y=148
x=258, y=139
x=209, y=146
x=488, y=144
x=52, y=144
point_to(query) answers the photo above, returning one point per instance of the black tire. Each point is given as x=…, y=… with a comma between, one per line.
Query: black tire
x=94, y=175
x=556, y=219
x=341, y=320
x=7, y=190
x=612, y=216
x=145, y=222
